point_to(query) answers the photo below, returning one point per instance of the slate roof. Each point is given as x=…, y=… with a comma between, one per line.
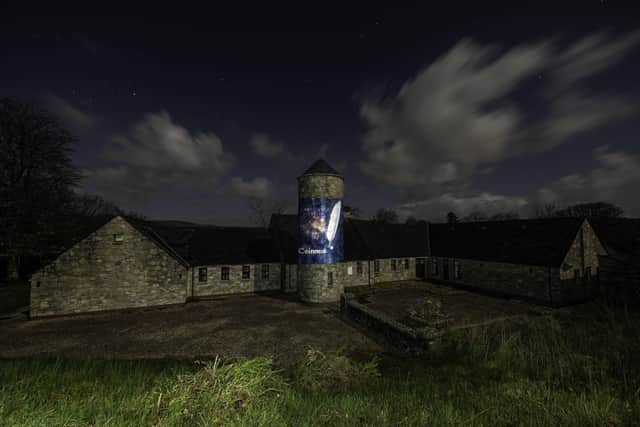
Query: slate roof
x=541, y=242
x=384, y=240
x=321, y=167
x=363, y=239
x=620, y=237
x=196, y=244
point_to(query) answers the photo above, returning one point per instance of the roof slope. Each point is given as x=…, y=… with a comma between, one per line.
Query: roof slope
x=208, y=245
x=321, y=167
x=385, y=240
x=620, y=237
x=543, y=242
x=362, y=239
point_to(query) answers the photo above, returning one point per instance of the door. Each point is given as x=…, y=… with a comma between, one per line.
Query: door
x=420, y=268
x=445, y=269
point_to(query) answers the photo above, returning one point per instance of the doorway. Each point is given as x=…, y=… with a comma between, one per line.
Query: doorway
x=420, y=268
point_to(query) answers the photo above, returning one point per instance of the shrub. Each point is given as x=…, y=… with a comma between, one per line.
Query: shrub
x=427, y=310
x=323, y=371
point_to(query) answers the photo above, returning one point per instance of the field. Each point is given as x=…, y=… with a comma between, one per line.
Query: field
x=575, y=367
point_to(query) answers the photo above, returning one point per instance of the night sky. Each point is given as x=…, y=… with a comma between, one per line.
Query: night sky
x=183, y=112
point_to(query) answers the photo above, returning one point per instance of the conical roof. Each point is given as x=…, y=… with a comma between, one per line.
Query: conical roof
x=321, y=167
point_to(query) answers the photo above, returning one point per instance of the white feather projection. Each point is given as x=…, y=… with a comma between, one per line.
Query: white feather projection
x=334, y=220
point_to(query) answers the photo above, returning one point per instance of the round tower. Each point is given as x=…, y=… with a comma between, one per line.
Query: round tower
x=320, y=222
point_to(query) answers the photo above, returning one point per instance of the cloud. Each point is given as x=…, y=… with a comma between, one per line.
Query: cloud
x=258, y=187
x=158, y=154
x=435, y=208
x=616, y=179
x=263, y=146
x=459, y=115
x=67, y=113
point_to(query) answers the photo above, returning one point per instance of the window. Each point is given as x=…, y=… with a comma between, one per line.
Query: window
x=246, y=271
x=265, y=271
x=406, y=263
x=118, y=238
x=359, y=267
x=376, y=266
x=202, y=274
x=587, y=273
x=224, y=273
x=330, y=279
x=349, y=270
x=456, y=270
x=434, y=267
x=394, y=266
x=576, y=275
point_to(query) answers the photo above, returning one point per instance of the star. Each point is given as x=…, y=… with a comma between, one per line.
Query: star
x=133, y=93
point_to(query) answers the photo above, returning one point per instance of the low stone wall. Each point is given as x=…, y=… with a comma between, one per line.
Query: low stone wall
x=397, y=335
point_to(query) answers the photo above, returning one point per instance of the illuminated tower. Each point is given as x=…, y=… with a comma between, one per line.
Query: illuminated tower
x=320, y=222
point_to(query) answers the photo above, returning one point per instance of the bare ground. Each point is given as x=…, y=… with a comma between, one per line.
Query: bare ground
x=250, y=325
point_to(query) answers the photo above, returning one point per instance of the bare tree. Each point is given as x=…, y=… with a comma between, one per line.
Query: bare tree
x=475, y=216
x=501, y=216
x=452, y=218
x=547, y=210
x=386, y=215
x=351, y=211
x=37, y=178
x=591, y=210
x=261, y=210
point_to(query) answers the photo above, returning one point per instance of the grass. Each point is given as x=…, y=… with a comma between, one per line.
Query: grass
x=13, y=295
x=576, y=369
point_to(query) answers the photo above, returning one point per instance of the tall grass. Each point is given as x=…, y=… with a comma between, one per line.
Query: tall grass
x=575, y=369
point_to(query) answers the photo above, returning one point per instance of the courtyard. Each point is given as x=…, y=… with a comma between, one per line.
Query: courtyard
x=250, y=325
x=462, y=308
x=266, y=324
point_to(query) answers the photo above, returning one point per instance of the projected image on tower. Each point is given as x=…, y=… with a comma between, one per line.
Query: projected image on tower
x=320, y=222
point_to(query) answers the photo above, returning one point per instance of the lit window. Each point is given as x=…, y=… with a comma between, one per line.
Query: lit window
x=202, y=274
x=224, y=273
x=265, y=271
x=246, y=271
x=350, y=270
x=118, y=238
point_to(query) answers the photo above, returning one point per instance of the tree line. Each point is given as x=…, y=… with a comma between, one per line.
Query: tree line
x=580, y=210
x=41, y=207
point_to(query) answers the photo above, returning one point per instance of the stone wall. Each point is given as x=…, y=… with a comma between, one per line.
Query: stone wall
x=320, y=186
x=315, y=286
x=100, y=273
x=532, y=282
x=214, y=285
x=619, y=281
x=290, y=278
x=387, y=274
x=583, y=254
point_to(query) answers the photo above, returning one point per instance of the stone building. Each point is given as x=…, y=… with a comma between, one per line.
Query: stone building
x=620, y=267
x=127, y=263
x=554, y=261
